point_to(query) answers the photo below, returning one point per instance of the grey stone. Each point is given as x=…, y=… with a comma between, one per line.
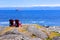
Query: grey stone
x=56, y=38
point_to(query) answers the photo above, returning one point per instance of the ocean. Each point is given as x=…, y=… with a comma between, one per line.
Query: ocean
x=41, y=17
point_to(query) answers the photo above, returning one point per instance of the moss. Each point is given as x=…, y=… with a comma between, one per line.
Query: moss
x=54, y=34
x=48, y=38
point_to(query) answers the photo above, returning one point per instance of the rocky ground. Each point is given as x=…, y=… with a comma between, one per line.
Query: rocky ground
x=15, y=35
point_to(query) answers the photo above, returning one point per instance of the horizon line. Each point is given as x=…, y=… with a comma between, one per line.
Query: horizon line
x=42, y=5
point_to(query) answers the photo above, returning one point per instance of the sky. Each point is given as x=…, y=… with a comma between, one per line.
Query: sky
x=28, y=3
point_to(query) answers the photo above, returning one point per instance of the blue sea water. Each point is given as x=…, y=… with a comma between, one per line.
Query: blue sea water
x=42, y=17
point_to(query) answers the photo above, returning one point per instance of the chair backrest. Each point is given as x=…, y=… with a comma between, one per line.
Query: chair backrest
x=14, y=23
x=17, y=23
x=11, y=22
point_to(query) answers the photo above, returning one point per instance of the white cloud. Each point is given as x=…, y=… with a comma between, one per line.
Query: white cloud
x=48, y=5
x=41, y=5
x=15, y=5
